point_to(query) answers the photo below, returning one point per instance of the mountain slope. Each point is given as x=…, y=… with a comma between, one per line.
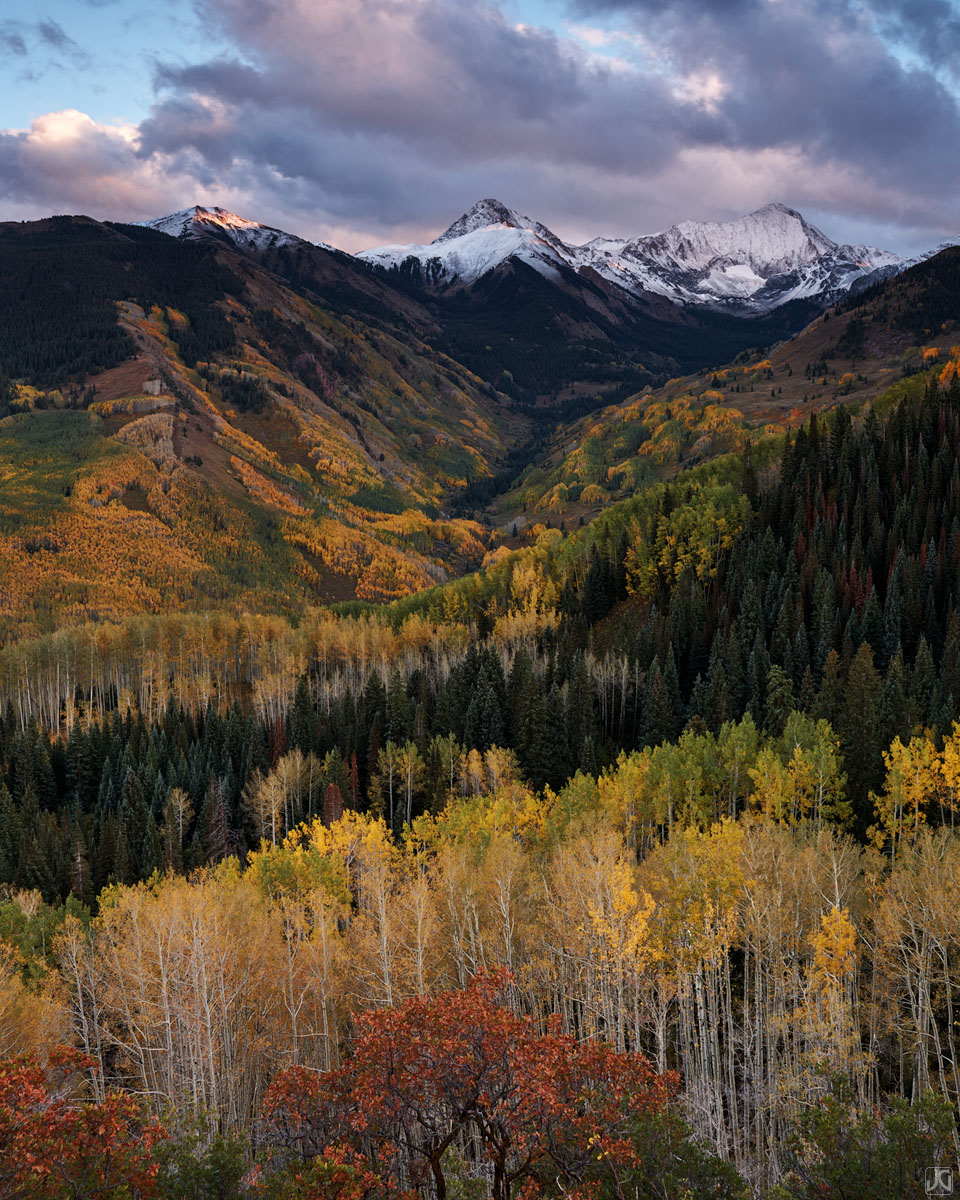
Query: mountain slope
x=563, y=327
x=194, y=421
x=759, y=261
x=553, y=323
x=213, y=436
x=870, y=343
x=199, y=222
x=485, y=237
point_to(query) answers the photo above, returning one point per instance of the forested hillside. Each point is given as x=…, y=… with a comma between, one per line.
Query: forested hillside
x=171, y=402
x=830, y=589
x=852, y=354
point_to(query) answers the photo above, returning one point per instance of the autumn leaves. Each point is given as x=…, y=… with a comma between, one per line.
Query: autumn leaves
x=460, y=1069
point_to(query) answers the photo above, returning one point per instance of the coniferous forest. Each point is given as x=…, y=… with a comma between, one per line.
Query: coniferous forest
x=624, y=866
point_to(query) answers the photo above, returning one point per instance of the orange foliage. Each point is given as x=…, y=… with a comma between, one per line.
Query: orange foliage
x=56, y=1146
x=264, y=489
x=543, y=1107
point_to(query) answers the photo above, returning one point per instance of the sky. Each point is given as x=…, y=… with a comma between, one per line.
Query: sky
x=360, y=122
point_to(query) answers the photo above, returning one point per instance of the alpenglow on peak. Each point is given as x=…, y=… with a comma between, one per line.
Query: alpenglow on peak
x=202, y=222
x=482, y=215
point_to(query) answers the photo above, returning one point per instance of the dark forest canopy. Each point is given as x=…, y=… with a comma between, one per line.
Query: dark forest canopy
x=60, y=283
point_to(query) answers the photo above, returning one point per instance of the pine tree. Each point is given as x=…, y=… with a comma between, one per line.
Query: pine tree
x=860, y=730
x=303, y=720
x=398, y=726
x=779, y=701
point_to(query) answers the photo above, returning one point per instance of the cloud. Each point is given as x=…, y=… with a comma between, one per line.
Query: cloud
x=44, y=44
x=53, y=35
x=12, y=40
x=66, y=162
x=366, y=120
x=440, y=78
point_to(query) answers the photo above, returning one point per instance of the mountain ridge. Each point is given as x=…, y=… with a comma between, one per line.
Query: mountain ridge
x=747, y=266
x=229, y=428
x=763, y=259
x=198, y=221
x=752, y=264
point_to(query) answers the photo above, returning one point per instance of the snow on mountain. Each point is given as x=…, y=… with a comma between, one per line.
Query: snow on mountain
x=756, y=262
x=484, y=237
x=200, y=222
x=752, y=264
x=884, y=271
x=919, y=258
x=749, y=265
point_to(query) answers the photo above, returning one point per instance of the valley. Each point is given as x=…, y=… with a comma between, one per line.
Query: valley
x=346, y=426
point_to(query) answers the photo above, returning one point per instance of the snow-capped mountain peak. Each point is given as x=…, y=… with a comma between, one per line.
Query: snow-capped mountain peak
x=751, y=264
x=200, y=222
x=490, y=214
x=754, y=263
x=771, y=239
x=486, y=236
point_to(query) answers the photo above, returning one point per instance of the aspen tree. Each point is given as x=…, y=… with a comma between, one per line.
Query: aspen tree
x=912, y=783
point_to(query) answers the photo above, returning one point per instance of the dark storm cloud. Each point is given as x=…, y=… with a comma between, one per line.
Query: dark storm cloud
x=451, y=79
x=816, y=75
x=828, y=76
x=392, y=110
x=931, y=27
x=826, y=84
x=420, y=87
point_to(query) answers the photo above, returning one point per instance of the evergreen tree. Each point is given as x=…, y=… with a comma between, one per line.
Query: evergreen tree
x=779, y=701
x=303, y=720
x=859, y=727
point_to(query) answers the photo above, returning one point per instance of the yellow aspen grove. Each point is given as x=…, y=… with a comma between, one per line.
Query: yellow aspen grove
x=759, y=957
x=912, y=784
x=376, y=968
x=410, y=768
x=696, y=880
x=833, y=1043
x=504, y=871
x=31, y=1018
x=949, y=767
x=265, y=798
x=917, y=932
x=420, y=942
x=460, y=897
x=192, y=978
x=311, y=981
x=793, y=879
x=598, y=943
x=773, y=791
x=82, y=976
x=623, y=793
